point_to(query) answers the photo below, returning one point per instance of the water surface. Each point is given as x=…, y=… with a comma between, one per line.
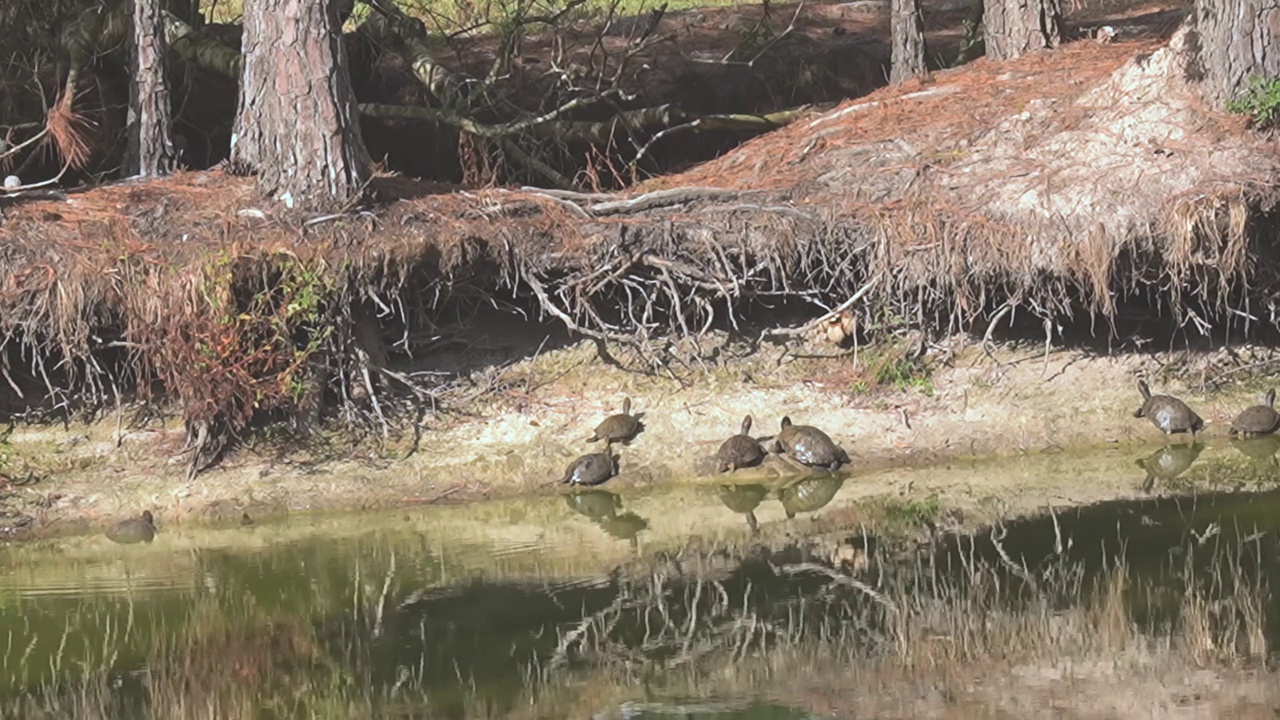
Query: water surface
x=597, y=603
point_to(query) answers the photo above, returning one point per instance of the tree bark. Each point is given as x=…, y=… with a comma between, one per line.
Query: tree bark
x=1014, y=27
x=1238, y=38
x=150, y=151
x=296, y=125
x=907, y=29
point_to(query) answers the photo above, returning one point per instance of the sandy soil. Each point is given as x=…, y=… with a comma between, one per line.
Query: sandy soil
x=1014, y=401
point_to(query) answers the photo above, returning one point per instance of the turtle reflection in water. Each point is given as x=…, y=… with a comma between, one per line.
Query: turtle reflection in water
x=744, y=499
x=1168, y=462
x=626, y=526
x=809, y=494
x=605, y=510
x=595, y=504
x=1262, y=449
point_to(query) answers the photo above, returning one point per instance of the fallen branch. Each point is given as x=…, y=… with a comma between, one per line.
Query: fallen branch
x=663, y=198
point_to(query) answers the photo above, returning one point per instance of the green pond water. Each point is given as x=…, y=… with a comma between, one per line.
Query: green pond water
x=594, y=604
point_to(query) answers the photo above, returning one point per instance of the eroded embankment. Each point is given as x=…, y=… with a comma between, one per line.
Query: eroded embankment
x=193, y=293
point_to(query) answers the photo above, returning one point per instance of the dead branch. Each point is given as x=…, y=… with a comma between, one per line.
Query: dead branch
x=663, y=198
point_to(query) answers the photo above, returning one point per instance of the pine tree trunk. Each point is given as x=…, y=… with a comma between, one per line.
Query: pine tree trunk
x=908, y=41
x=1238, y=38
x=296, y=125
x=1014, y=27
x=150, y=145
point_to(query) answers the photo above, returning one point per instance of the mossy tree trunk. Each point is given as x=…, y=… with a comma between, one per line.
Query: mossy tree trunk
x=1238, y=38
x=907, y=29
x=150, y=151
x=1014, y=27
x=296, y=126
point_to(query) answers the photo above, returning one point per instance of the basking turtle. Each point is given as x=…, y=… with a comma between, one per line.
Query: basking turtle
x=744, y=499
x=595, y=504
x=809, y=494
x=591, y=469
x=810, y=446
x=139, y=529
x=1259, y=419
x=739, y=451
x=617, y=428
x=1168, y=413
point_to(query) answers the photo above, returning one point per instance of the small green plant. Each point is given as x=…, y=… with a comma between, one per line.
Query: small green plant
x=913, y=512
x=1260, y=101
x=905, y=373
x=895, y=366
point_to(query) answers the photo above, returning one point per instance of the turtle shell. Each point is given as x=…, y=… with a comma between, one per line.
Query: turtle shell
x=590, y=469
x=617, y=428
x=739, y=451
x=135, y=530
x=810, y=446
x=1168, y=413
x=1259, y=419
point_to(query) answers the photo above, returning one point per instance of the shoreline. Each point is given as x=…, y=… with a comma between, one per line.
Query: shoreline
x=969, y=410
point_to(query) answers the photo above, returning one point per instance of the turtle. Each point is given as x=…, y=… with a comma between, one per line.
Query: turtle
x=1259, y=419
x=744, y=499
x=1168, y=413
x=134, y=530
x=809, y=494
x=621, y=427
x=591, y=469
x=809, y=445
x=739, y=451
x=595, y=504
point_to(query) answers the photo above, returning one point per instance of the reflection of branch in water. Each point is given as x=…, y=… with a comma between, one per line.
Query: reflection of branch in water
x=839, y=578
x=579, y=631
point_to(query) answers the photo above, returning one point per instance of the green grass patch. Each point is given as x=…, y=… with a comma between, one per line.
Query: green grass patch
x=895, y=367
x=1259, y=101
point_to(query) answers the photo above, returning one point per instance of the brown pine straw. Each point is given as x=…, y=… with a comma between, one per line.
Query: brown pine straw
x=69, y=133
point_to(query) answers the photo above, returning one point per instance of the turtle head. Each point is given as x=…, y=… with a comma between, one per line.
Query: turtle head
x=746, y=425
x=786, y=422
x=1146, y=391
x=148, y=518
x=1270, y=397
x=626, y=406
